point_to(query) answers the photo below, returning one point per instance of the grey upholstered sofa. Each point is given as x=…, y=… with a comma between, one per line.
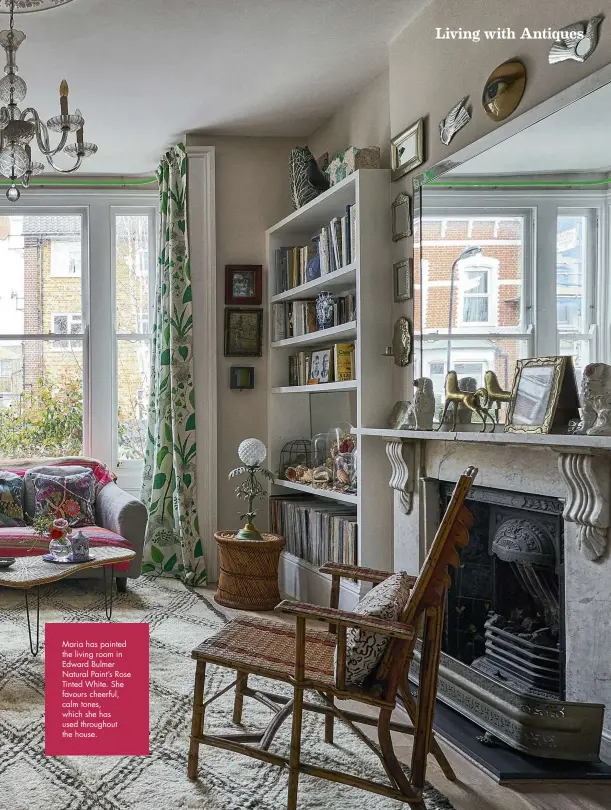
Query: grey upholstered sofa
x=120, y=519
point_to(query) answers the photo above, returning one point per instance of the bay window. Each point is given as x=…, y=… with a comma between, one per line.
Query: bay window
x=75, y=309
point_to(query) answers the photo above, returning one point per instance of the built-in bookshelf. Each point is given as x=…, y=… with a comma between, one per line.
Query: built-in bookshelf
x=299, y=411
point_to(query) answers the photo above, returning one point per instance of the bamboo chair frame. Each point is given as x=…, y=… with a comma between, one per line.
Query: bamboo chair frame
x=425, y=607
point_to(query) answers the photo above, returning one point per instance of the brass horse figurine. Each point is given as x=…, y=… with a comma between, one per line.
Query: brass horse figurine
x=493, y=395
x=470, y=400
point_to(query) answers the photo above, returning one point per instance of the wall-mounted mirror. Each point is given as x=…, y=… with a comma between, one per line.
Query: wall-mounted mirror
x=529, y=195
x=401, y=218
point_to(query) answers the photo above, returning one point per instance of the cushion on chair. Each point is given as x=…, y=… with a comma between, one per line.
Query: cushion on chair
x=364, y=649
x=71, y=497
x=11, y=499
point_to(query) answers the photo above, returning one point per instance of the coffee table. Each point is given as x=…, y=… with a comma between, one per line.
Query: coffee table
x=32, y=572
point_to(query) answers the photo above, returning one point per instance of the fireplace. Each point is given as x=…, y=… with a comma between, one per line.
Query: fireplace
x=504, y=615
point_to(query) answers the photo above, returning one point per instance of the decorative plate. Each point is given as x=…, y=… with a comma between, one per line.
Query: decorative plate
x=25, y=6
x=50, y=558
x=6, y=562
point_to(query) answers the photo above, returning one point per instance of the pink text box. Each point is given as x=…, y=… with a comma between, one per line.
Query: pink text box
x=96, y=689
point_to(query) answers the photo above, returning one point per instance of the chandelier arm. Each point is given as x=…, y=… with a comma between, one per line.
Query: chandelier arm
x=64, y=171
x=42, y=134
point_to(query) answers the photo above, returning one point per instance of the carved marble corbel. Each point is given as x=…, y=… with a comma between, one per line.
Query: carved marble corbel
x=588, y=482
x=401, y=457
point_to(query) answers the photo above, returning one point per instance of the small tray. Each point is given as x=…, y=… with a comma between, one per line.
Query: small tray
x=6, y=562
x=67, y=560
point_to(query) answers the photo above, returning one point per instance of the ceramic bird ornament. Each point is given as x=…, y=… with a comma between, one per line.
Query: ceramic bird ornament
x=578, y=49
x=454, y=120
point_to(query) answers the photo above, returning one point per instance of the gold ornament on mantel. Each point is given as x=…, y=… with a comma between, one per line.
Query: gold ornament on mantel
x=469, y=399
x=252, y=453
x=493, y=394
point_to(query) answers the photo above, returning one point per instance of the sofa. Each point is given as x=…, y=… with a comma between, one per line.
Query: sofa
x=120, y=519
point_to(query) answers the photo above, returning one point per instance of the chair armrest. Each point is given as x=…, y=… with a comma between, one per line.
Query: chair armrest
x=344, y=618
x=354, y=572
x=123, y=514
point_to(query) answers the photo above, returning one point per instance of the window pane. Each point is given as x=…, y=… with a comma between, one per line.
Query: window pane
x=41, y=398
x=132, y=274
x=133, y=378
x=499, y=281
x=469, y=358
x=571, y=272
x=40, y=272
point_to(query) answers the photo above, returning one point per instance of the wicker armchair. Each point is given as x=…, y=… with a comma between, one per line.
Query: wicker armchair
x=305, y=658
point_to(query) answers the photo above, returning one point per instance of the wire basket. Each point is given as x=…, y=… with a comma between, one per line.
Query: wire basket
x=295, y=455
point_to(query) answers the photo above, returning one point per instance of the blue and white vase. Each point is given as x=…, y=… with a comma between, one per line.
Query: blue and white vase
x=80, y=547
x=325, y=303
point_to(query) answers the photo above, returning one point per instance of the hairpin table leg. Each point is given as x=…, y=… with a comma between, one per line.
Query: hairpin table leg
x=107, y=597
x=27, y=611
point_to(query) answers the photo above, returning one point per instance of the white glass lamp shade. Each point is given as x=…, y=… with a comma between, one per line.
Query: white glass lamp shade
x=252, y=452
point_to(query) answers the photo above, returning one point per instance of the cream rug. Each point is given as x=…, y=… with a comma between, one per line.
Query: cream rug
x=179, y=619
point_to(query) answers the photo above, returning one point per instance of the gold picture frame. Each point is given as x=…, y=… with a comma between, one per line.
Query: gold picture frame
x=407, y=150
x=543, y=396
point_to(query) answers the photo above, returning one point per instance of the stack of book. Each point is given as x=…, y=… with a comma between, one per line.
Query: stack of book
x=315, y=530
x=331, y=249
x=296, y=318
x=334, y=364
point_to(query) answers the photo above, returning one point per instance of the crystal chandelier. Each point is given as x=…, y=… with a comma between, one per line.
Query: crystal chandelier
x=18, y=127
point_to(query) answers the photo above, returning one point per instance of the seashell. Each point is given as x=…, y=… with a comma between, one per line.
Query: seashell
x=322, y=474
x=343, y=476
x=291, y=474
x=306, y=476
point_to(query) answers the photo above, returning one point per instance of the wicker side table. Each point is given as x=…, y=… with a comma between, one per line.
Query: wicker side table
x=248, y=578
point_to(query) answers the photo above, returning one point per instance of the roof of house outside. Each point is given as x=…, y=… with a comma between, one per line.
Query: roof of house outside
x=50, y=226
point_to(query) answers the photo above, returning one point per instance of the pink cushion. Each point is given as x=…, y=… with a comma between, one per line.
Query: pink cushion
x=22, y=541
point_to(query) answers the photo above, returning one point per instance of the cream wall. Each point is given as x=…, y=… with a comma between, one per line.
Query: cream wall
x=252, y=193
x=363, y=121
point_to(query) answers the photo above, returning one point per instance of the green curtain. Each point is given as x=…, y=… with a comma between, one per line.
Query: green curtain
x=172, y=544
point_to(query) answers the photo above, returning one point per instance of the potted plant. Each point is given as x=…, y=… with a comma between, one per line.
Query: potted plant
x=248, y=577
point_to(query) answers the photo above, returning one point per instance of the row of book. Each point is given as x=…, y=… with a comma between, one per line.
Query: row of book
x=315, y=530
x=331, y=249
x=335, y=364
x=296, y=318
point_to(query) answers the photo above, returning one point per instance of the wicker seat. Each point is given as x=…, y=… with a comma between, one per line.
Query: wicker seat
x=268, y=646
x=316, y=660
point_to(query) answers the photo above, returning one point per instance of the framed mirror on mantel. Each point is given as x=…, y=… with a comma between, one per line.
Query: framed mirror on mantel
x=535, y=197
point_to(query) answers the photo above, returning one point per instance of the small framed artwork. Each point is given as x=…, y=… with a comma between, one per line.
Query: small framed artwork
x=242, y=377
x=401, y=218
x=402, y=279
x=320, y=366
x=243, y=332
x=544, y=396
x=243, y=284
x=407, y=150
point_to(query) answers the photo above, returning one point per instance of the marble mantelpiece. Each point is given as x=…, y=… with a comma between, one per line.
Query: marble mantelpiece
x=576, y=469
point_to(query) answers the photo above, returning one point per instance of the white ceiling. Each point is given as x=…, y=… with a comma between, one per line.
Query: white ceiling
x=144, y=72
x=575, y=139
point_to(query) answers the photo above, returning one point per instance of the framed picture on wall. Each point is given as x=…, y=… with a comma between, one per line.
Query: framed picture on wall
x=407, y=150
x=243, y=284
x=243, y=332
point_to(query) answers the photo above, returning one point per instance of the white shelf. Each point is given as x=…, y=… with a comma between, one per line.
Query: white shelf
x=321, y=388
x=497, y=438
x=342, y=279
x=345, y=331
x=321, y=493
x=320, y=211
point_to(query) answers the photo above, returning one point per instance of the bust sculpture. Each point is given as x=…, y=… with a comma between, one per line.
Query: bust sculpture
x=595, y=400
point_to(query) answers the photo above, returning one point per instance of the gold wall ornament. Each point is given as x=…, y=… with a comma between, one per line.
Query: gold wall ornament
x=468, y=399
x=492, y=395
x=402, y=342
x=504, y=89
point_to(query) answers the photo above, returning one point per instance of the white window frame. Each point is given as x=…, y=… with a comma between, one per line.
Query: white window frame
x=71, y=316
x=129, y=470
x=491, y=266
x=53, y=268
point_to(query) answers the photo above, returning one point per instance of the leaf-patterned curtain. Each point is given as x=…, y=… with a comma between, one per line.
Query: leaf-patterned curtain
x=172, y=545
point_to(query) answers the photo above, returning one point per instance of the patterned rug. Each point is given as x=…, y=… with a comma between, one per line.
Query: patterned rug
x=179, y=619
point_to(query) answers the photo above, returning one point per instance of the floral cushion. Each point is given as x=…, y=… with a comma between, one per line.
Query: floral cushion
x=11, y=500
x=71, y=497
x=364, y=649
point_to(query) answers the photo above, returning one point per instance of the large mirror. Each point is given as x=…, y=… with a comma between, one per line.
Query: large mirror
x=510, y=244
